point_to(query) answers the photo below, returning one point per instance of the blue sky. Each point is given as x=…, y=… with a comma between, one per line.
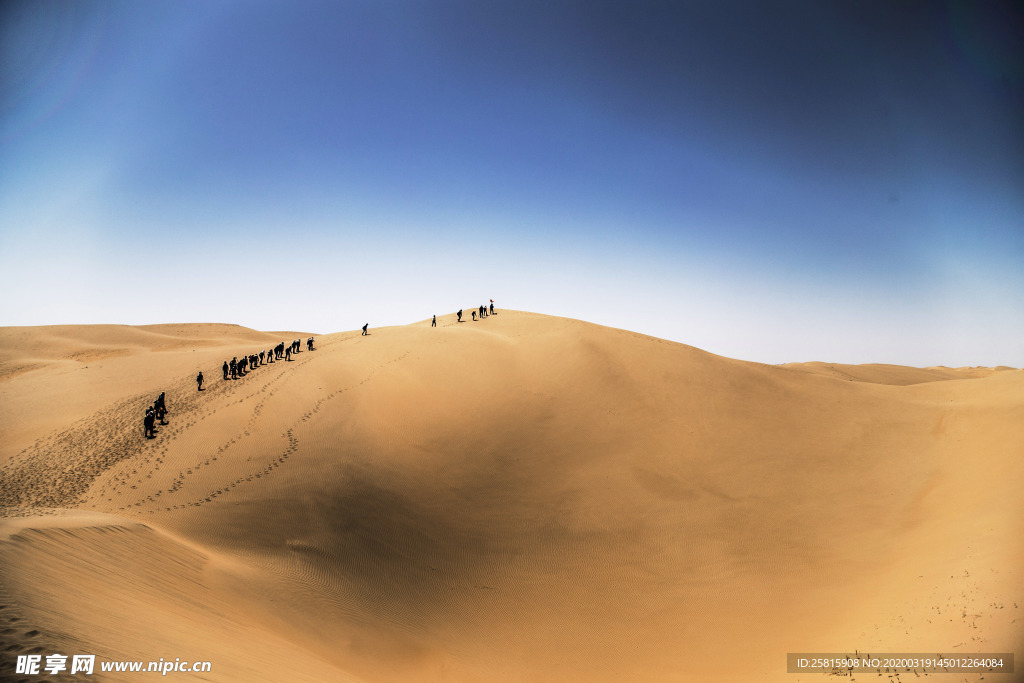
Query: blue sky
x=769, y=181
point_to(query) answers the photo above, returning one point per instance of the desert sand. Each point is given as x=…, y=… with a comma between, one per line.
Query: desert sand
x=520, y=498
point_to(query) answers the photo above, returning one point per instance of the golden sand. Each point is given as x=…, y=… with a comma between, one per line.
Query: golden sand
x=517, y=498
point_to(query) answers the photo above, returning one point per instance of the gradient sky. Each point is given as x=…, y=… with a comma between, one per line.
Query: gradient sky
x=776, y=181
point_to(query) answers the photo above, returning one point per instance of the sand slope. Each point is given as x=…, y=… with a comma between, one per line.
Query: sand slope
x=517, y=498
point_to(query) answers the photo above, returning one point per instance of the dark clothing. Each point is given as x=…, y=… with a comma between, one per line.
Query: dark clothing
x=433, y=321
x=364, y=329
x=199, y=381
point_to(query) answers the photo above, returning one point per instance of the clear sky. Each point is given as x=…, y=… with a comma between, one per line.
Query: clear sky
x=772, y=181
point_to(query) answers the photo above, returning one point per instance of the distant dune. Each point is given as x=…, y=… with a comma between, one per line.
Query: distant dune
x=517, y=498
x=899, y=375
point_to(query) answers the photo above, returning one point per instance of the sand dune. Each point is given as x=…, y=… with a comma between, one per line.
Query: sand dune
x=517, y=498
x=878, y=373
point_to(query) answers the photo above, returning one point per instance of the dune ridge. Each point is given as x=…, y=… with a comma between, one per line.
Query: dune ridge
x=520, y=497
x=899, y=375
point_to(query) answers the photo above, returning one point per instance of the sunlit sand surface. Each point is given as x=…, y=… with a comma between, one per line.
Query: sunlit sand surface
x=517, y=498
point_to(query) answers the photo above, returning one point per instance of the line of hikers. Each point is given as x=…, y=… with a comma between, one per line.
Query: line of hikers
x=484, y=311
x=237, y=367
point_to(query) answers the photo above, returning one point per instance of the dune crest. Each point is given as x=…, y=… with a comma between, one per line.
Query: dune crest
x=518, y=497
